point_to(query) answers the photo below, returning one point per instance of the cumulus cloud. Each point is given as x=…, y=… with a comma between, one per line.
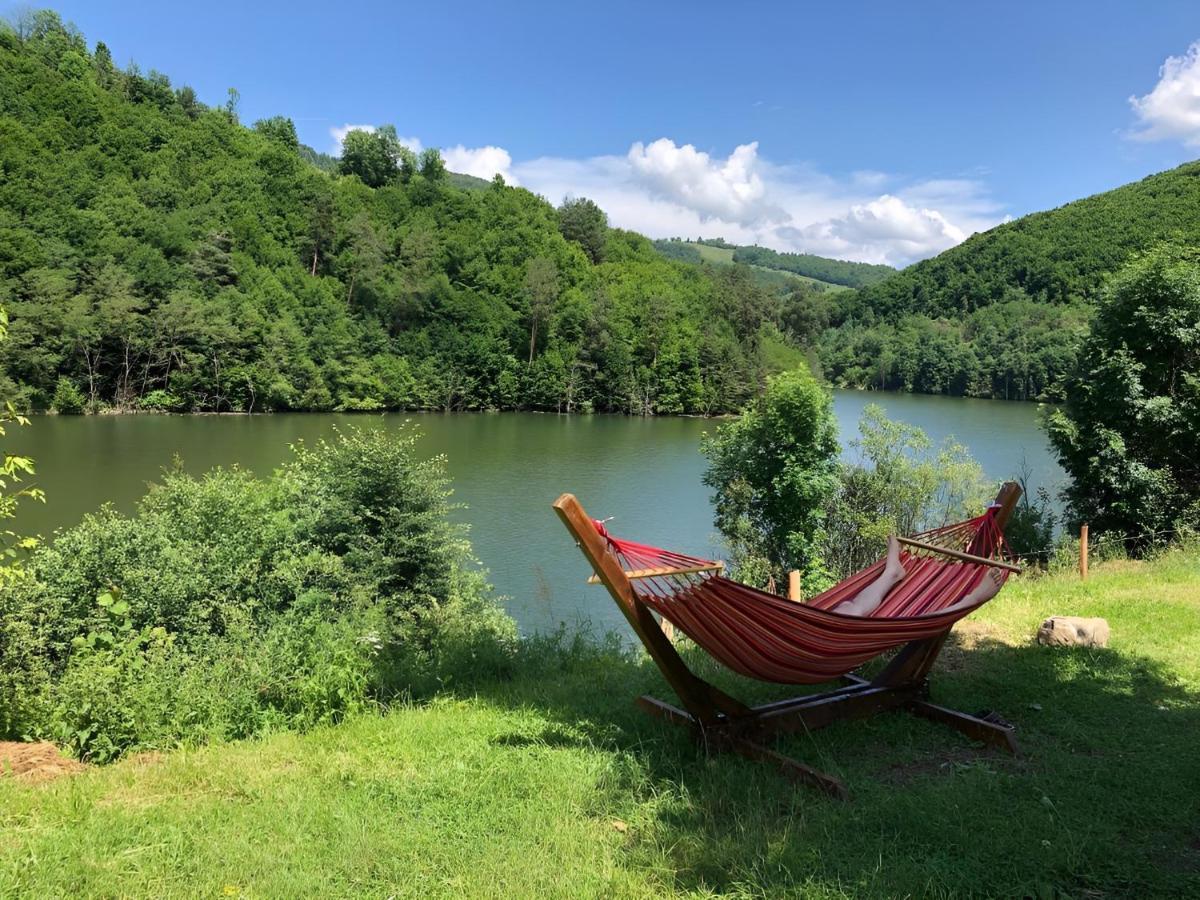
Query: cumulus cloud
x=1171, y=111
x=729, y=189
x=339, y=132
x=482, y=162
x=667, y=190
x=885, y=230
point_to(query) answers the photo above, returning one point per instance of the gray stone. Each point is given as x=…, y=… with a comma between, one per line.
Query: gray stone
x=1073, y=631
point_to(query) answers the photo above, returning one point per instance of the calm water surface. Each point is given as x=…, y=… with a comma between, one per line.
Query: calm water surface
x=507, y=468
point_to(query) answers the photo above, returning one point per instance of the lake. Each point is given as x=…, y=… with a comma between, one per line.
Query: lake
x=507, y=468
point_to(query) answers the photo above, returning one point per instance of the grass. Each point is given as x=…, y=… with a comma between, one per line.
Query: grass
x=552, y=784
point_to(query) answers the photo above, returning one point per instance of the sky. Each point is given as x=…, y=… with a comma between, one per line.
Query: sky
x=882, y=132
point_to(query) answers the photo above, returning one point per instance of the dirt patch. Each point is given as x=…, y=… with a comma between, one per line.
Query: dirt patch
x=36, y=762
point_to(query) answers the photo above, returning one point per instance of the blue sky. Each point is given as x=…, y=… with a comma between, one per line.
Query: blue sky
x=877, y=131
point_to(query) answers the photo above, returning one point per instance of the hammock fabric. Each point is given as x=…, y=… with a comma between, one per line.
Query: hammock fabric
x=773, y=639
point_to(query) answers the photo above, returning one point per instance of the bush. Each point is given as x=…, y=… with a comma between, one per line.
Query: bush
x=228, y=605
x=68, y=399
x=162, y=401
x=901, y=485
x=1030, y=531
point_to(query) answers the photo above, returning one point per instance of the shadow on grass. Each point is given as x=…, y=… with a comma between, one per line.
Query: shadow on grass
x=1103, y=800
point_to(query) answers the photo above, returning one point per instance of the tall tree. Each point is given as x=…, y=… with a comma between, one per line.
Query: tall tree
x=1127, y=432
x=582, y=221
x=433, y=167
x=371, y=155
x=541, y=288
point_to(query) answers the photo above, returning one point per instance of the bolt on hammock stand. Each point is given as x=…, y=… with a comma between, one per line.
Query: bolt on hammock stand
x=772, y=639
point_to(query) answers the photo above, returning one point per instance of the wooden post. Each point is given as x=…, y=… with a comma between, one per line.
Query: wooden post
x=1083, y=550
x=795, y=591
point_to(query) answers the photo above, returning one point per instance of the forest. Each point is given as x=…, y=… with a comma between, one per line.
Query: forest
x=1004, y=313
x=157, y=254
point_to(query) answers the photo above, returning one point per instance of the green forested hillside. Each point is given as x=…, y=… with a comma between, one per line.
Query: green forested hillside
x=1002, y=314
x=773, y=268
x=155, y=253
x=834, y=271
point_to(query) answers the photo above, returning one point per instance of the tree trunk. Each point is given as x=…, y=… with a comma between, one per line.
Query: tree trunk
x=532, y=340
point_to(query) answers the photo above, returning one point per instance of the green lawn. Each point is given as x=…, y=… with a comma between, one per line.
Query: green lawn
x=554, y=785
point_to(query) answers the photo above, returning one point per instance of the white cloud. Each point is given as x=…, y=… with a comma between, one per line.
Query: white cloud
x=731, y=190
x=885, y=230
x=1172, y=109
x=665, y=189
x=339, y=132
x=482, y=162
x=679, y=191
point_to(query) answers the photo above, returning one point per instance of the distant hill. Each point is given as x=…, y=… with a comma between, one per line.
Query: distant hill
x=1056, y=256
x=834, y=271
x=468, y=182
x=1002, y=314
x=776, y=270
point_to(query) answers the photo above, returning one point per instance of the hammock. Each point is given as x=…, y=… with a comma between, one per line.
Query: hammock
x=758, y=634
x=763, y=636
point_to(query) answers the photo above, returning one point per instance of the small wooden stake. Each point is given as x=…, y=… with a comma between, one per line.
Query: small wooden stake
x=1083, y=550
x=795, y=591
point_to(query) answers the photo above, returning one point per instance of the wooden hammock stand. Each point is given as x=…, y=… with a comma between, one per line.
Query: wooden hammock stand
x=723, y=723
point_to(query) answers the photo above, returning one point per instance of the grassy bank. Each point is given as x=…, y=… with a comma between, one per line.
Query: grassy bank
x=552, y=784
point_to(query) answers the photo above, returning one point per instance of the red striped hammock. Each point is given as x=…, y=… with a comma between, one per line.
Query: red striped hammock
x=772, y=639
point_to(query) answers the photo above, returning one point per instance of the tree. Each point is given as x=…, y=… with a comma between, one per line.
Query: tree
x=1127, y=433
x=433, y=167
x=106, y=72
x=371, y=155
x=280, y=129
x=68, y=399
x=212, y=261
x=408, y=164
x=232, y=100
x=186, y=97
x=582, y=221
x=773, y=471
x=541, y=287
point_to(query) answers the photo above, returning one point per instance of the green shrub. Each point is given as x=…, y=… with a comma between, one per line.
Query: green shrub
x=231, y=605
x=899, y=484
x=68, y=399
x=162, y=401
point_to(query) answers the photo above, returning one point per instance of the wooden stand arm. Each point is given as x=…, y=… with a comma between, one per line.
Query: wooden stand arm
x=959, y=554
x=635, y=574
